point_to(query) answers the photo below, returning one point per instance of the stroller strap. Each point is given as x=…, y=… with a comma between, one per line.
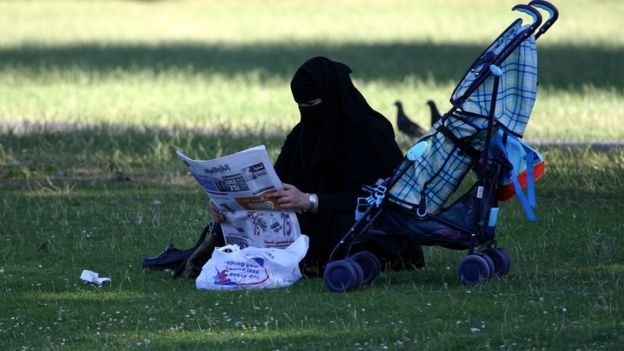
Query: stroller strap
x=401, y=206
x=527, y=165
x=462, y=144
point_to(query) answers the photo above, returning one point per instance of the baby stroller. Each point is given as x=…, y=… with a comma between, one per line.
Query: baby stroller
x=490, y=109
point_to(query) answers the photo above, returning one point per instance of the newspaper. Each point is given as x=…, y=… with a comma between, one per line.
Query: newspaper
x=238, y=184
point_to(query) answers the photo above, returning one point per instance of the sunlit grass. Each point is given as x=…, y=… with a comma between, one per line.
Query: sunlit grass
x=257, y=21
x=96, y=97
x=589, y=114
x=215, y=65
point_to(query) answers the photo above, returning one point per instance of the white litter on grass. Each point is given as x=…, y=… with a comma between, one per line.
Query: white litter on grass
x=93, y=277
x=1, y=269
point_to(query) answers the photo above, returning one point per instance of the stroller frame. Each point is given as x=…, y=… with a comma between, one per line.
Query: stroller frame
x=362, y=267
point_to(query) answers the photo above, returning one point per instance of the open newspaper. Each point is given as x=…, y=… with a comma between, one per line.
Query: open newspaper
x=238, y=185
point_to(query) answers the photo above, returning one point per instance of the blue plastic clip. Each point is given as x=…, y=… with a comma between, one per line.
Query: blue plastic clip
x=493, y=217
x=363, y=204
x=416, y=151
x=380, y=193
x=497, y=71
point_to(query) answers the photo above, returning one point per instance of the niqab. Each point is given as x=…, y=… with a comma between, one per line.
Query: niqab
x=317, y=143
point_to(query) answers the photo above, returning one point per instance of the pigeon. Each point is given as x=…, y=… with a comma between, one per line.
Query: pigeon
x=405, y=124
x=435, y=114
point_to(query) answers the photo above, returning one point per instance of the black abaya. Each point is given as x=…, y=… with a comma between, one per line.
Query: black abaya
x=339, y=145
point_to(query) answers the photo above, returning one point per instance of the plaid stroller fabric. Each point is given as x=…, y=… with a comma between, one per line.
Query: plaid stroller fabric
x=432, y=178
x=517, y=87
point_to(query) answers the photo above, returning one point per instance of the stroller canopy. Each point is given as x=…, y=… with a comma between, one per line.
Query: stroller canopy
x=431, y=179
x=517, y=87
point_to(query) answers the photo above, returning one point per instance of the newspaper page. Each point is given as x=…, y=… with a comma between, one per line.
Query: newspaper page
x=238, y=185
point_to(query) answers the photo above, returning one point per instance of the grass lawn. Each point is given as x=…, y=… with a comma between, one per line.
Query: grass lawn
x=103, y=199
x=215, y=64
x=95, y=97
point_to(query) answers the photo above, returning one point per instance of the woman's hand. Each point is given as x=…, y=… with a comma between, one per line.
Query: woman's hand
x=291, y=198
x=217, y=215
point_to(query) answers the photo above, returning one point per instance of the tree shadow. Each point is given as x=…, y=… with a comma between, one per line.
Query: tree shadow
x=111, y=152
x=567, y=66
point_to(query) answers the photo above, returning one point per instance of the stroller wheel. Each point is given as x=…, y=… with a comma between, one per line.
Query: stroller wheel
x=490, y=263
x=341, y=275
x=473, y=269
x=501, y=260
x=359, y=273
x=370, y=265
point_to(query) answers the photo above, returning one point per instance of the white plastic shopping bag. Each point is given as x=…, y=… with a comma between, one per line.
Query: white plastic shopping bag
x=253, y=267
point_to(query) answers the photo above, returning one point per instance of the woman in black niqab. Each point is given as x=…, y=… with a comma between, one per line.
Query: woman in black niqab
x=339, y=144
x=342, y=115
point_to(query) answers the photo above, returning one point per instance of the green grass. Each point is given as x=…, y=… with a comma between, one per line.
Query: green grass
x=209, y=64
x=95, y=97
x=105, y=198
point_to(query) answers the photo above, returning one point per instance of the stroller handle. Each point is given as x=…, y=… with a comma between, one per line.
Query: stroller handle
x=553, y=15
x=537, y=18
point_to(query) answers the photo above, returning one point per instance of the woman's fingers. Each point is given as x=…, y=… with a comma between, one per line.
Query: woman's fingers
x=273, y=194
x=217, y=215
x=290, y=197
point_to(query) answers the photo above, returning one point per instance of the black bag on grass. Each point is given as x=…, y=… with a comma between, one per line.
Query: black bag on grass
x=188, y=263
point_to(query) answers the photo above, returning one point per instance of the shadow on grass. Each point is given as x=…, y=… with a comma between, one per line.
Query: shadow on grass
x=31, y=151
x=115, y=152
x=568, y=67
